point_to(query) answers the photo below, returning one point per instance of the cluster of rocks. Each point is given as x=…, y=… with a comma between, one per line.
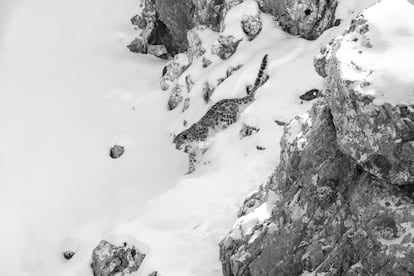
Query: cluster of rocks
x=340, y=202
x=165, y=24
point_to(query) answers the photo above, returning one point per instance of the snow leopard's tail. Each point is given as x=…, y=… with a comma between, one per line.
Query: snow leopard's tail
x=261, y=76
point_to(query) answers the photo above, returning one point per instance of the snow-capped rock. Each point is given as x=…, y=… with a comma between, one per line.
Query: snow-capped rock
x=340, y=201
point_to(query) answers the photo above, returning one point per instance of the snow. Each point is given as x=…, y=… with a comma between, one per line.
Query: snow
x=70, y=89
x=384, y=69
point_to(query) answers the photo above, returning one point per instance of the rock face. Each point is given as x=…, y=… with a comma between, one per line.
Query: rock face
x=304, y=18
x=166, y=22
x=111, y=260
x=379, y=137
x=341, y=200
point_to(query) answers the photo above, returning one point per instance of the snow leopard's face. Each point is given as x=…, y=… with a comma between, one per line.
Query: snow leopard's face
x=187, y=139
x=182, y=140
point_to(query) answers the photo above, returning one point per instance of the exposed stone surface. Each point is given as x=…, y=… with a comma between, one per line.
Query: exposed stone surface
x=304, y=18
x=225, y=46
x=376, y=136
x=116, y=151
x=176, y=97
x=247, y=130
x=326, y=214
x=167, y=22
x=138, y=45
x=208, y=90
x=311, y=95
x=158, y=51
x=173, y=70
x=195, y=48
x=206, y=62
x=68, y=254
x=252, y=25
x=111, y=260
x=341, y=200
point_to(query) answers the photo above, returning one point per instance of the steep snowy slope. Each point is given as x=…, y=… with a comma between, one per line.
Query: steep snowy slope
x=70, y=89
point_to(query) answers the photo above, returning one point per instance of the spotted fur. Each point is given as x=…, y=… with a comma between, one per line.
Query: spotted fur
x=221, y=115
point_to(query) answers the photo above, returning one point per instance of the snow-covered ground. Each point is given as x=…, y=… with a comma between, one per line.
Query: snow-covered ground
x=70, y=89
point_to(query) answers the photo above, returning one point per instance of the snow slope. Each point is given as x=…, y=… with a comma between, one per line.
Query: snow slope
x=70, y=89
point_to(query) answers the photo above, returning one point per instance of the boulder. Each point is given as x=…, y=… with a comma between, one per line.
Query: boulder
x=116, y=151
x=251, y=25
x=305, y=18
x=225, y=46
x=176, y=97
x=111, y=260
x=341, y=200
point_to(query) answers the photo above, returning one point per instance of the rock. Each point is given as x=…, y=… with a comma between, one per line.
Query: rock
x=180, y=16
x=206, y=62
x=372, y=134
x=186, y=104
x=280, y=123
x=247, y=130
x=155, y=273
x=173, y=70
x=251, y=25
x=138, y=21
x=311, y=95
x=195, y=49
x=68, y=254
x=166, y=22
x=158, y=51
x=225, y=46
x=208, y=90
x=111, y=260
x=176, y=97
x=138, y=45
x=341, y=200
x=305, y=18
x=327, y=215
x=116, y=151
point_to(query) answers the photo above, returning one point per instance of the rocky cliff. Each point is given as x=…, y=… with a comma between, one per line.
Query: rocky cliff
x=167, y=22
x=340, y=202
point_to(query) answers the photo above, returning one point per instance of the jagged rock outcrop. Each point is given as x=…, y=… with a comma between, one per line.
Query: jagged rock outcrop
x=111, y=260
x=341, y=200
x=167, y=22
x=304, y=18
x=378, y=136
x=173, y=70
x=321, y=212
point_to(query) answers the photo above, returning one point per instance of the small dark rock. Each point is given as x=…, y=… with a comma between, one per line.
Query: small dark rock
x=310, y=95
x=280, y=123
x=68, y=254
x=116, y=151
x=260, y=148
x=337, y=22
x=247, y=130
x=206, y=62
